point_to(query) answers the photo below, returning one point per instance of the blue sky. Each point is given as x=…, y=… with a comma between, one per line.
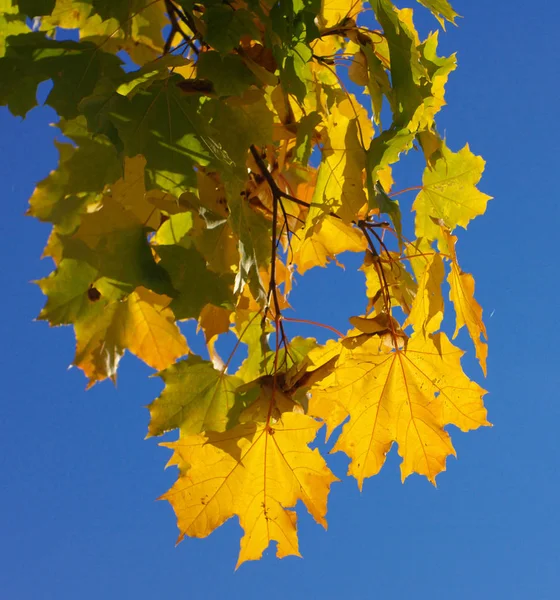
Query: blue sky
x=78, y=516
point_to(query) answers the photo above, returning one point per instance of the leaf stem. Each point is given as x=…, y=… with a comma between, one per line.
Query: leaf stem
x=316, y=323
x=409, y=189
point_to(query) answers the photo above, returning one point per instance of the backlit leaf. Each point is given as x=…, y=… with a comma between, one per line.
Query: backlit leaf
x=468, y=311
x=142, y=323
x=427, y=307
x=195, y=284
x=340, y=185
x=449, y=193
x=441, y=10
x=327, y=239
x=197, y=397
x=259, y=472
x=396, y=395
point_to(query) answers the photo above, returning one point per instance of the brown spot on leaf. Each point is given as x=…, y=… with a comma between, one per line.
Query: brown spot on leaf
x=93, y=294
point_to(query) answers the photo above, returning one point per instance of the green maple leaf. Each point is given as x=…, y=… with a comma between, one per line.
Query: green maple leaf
x=441, y=10
x=112, y=241
x=253, y=232
x=67, y=292
x=196, y=398
x=195, y=285
x=406, y=68
x=84, y=170
x=73, y=67
x=229, y=74
x=226, y=26
x=36, y=8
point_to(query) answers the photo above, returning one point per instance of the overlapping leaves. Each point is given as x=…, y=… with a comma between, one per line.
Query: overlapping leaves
x=212, y=151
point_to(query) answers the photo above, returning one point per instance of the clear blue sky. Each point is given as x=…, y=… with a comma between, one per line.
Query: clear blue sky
x=78, y=517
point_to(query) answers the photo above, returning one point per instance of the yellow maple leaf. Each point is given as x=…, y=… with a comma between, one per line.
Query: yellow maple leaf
x=449, y=193
x=387, y=273
x=467, y=310
x=214, y=320
x=256, y=471
x=130, y=192
x=336, y=11
x=426, y=312
x=142, y=323
x=140, y=34
x=397, y=395
x=340, y=180
x=327, y=239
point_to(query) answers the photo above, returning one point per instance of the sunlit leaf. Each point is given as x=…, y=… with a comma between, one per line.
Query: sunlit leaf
x=467, y=309
x=449, y=193
x=397, y=395
x=259, y=472
x=212, y=154
x=142, y=323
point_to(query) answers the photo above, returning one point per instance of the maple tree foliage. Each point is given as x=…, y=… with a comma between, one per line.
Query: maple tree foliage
x=211, y=151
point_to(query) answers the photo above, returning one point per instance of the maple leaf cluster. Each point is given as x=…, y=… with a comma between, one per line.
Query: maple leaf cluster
x=213, y=151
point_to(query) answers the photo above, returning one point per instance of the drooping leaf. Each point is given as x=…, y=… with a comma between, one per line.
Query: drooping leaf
x=386, y=280
x=426, y=312
x=253, y=333
x=252, y=231
x=406, y=67
x=340, y=185
x=468, y=311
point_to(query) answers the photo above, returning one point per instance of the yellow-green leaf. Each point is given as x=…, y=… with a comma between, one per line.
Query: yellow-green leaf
x=449, y=193
x=142, y=323
x=197, y=397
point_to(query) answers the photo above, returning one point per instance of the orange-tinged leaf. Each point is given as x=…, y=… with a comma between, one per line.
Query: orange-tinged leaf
x=149, y=330
x=142, y=323
x=404, y=396
x=214, y=320
x=467, y=310
x=256, y=471
x=449, y=193
x=130, y=192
